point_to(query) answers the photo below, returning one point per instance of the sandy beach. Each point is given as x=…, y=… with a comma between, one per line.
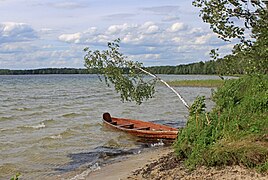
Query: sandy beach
x=160, y=163
x=119, y=169
x=125, y=168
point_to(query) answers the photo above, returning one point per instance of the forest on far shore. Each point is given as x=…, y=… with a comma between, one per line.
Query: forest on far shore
x=208, y=67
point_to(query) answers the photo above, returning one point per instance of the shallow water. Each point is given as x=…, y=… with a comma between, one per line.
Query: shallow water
x=52, y=123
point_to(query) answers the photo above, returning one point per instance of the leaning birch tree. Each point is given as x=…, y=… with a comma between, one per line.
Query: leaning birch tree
x=126, y=76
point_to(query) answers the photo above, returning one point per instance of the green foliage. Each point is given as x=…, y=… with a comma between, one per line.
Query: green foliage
x=243, y=20
x=197, y=83
x=234, y=132
x=198, y=106
x=122, y=73
x=15, y=177
x=214, y=54
x=230, y=18
x=208, y=67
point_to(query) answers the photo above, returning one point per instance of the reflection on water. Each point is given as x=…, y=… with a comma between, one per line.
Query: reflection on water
x=48, y=122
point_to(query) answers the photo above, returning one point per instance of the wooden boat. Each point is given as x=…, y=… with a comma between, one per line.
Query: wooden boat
x=141, y=129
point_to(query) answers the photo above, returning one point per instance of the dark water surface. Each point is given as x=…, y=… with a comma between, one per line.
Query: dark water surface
x=52, y=123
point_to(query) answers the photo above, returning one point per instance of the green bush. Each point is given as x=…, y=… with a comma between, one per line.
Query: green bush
x=15, y=177
x=234, y=132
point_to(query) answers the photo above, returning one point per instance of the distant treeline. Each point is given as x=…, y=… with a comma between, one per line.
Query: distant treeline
x=47, y=71
x=208, y=67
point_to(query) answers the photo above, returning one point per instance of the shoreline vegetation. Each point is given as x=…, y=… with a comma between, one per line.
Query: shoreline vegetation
x=234, y=132
x=197, y=83
x=208, y=67
x=229, y=142
x=162, y=163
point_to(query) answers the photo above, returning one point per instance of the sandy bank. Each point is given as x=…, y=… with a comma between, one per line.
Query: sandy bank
x=125, y=168
x=161, y=163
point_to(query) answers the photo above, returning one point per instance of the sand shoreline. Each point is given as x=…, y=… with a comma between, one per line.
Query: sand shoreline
x=125, y=168
x=160, y=163
x=118, y=169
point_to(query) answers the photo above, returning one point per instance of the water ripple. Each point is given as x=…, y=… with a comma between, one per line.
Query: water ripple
x=45, y=118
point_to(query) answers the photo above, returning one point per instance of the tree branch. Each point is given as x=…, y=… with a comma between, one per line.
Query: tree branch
x=164, y=82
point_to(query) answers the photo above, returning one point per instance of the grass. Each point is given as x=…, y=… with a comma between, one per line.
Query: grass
x=234, y=132
x=197, y=83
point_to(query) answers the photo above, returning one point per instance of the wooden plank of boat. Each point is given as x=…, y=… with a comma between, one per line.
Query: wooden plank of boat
x=140, y=128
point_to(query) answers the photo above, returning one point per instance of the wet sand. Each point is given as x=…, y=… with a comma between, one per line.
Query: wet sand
x=161, y=163
x=119, y=169
x=126, y=167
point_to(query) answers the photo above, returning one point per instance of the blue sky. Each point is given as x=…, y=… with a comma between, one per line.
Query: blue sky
x=53, y=33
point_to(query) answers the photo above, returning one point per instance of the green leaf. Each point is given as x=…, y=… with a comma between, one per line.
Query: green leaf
x=123, y=74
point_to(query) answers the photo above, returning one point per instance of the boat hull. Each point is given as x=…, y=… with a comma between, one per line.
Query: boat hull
x=140, y=129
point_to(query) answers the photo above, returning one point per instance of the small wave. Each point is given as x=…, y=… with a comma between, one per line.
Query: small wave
x=51, y=138
x=85, y=173
x=160, y=143
x=71, y=115
x=65, y=134
x=89, y=125
x=68, y=132
x=37, y=113
x=21, y=109
x=138, y=152
x=38, y=126
x=112, y=143
x=6, y=129
x=84, y=97
x=48, y=121
x=56, y=136
x=6, y=118
x=88, y=109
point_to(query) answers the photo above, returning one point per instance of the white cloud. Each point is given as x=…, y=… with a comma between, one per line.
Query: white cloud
x=133, y=38
x=70, y=38
x=145, y=57
x=152, y=29
x=151, y=48
x=204, y=39
x=102, y=39
x=16, y=47
x=116, y=29
x=151, y=56
x=150, y=40
x=149, y=28
x=12, y=32
x=177, y=39
x=190, y=48
x=197, y=30
x=42, y=58
x=179, y=26
x=169, y=31
x=91, y=30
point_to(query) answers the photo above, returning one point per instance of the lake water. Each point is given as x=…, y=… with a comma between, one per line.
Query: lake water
x=51, y=124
